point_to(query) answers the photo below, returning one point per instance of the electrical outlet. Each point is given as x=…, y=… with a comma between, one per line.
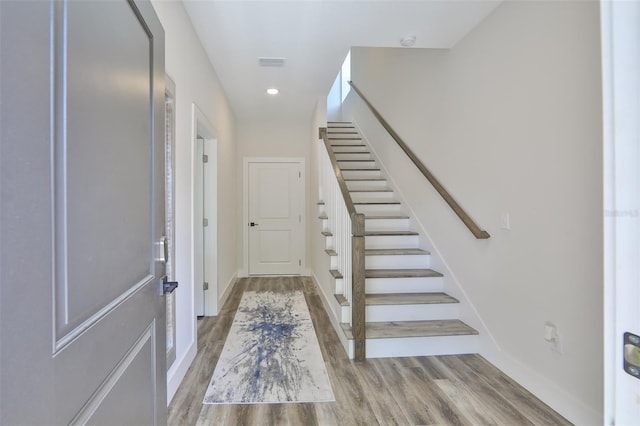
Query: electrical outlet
x=552, y=337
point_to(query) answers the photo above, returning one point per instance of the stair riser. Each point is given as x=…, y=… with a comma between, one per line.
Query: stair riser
x=419, y=346
x=358, y=164
x=354, y=185
x=351, y=156
x=398, y=262
x=344, y=140
x=385, y=313
x=404, y=285
x=328, y=242
x=342, y=131
x=395, y=241
x=379, y=209
x=386, y=224
x=358, y=196
x=360, y=147
x=345, y=314
x=360, y=174
x=339, y=285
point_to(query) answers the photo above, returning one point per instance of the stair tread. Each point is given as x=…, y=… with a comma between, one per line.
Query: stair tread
x=352, y=152
x=366, y=160
x=395, y=252
x=391, y=233
x=409, y=299
x=389, y=216
x=372, y=190
x=397, y=329
x=341, y=300
x=331, y=252
x=377, y=202
x=364, y=179
x=401, y=273
x=335, y=273
x=368, y=169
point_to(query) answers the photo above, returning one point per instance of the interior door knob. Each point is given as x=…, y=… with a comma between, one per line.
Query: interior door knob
x=253, y=224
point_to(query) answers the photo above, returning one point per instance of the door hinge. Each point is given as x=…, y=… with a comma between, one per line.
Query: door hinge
x=205, y=285
x=299, y=175
x=205, y=222
x=205, y=158
x=299, y=262
x=300, y=218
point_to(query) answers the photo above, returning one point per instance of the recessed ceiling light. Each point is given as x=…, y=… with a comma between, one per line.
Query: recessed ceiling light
x=272, y=91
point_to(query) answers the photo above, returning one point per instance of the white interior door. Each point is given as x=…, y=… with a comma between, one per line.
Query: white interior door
x=275, y=211
x=82, y=166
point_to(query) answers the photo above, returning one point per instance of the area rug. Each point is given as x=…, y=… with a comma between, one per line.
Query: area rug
x=271, y=354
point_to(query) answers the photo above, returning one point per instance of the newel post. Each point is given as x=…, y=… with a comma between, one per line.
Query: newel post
x=358, y=282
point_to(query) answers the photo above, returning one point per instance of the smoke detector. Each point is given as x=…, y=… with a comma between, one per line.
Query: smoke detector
x=408, y=40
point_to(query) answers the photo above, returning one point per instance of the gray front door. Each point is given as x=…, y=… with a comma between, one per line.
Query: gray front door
x=82, y=210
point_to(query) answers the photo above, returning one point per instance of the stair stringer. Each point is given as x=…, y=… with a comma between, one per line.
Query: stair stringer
x=333, y=309
x=486, y=342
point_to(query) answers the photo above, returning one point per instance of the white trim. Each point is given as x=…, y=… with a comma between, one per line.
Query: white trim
x=227, y=291
x=245, y=207
x=546, y=390
x=620, y=29
x=179, y=369
x=334, y=320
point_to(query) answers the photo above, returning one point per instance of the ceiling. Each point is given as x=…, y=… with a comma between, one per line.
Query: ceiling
x=314, y=37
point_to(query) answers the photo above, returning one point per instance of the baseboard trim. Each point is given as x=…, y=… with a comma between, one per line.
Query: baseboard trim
x=178, y=370
x=549, y=392
x=334, y=321
x=227, y=291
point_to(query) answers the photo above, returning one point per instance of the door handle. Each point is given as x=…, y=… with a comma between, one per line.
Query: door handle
x=631, y=352
x=168, y=287
x=253, y=224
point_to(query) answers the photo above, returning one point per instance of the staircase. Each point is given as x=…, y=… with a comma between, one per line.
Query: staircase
x=407, y=311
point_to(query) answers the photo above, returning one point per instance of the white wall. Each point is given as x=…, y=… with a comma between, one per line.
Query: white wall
x=510, y=120
x=196, y=82
x=269, y=138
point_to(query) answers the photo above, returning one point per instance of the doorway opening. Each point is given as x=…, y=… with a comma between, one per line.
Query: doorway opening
x=205, y=220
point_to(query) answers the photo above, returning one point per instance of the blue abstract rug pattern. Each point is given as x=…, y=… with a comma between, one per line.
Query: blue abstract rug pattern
x=271, y=354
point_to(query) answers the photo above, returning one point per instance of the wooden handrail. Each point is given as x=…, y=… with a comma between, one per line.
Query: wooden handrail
x=466, y=219
x=351, y=209
x=358, y=320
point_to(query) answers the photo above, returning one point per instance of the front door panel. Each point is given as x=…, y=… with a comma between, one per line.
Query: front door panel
x=100, y=351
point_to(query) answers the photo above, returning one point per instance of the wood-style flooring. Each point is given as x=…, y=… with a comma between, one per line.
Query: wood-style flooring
x=442, y=390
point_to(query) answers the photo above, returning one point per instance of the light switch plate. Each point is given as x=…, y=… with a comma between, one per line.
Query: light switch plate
x=505, y=221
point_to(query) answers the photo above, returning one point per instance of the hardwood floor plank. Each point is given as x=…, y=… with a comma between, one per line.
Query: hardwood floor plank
x=446, y=390
x=386, y=410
